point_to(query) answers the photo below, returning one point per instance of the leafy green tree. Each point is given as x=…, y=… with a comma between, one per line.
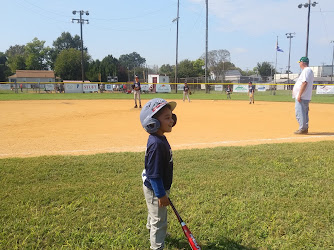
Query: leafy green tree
x=36, y=55
x=122, y=73
x=132, y=60
x=168, y=70
x=265, y=69
x=68, y=64
x=198, y=67
x=94, y=69
x=109, y=66
x=186, y=69
x=4, y=70
x=16, y=57
x=64, y=41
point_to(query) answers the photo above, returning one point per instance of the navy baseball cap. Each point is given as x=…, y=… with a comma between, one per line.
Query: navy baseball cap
x=149, y=110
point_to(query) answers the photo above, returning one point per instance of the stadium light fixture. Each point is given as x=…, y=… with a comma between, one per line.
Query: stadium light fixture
x=81, y=21
x=307, y=5
x=289, y=35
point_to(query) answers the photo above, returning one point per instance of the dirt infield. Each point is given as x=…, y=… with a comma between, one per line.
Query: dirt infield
x=74, y=127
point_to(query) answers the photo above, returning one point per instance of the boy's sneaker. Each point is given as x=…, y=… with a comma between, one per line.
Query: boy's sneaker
x=301, y=132
x=139, y=106
x=136, y=106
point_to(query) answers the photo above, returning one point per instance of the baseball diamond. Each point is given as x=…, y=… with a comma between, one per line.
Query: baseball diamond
x=75, y=127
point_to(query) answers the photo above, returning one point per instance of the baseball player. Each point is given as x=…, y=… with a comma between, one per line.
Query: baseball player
x=251, y=90
x=136, y=90
x=157, y=119
x=186, y=91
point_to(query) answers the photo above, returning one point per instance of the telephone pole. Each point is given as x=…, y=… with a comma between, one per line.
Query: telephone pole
x=177, y=42
x=206, y=47
x=332, y=62
x=81, y=21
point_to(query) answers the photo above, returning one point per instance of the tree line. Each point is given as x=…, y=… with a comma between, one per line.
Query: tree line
x=64, y=57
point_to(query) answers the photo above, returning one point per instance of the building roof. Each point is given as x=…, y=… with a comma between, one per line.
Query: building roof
x=34, y=74
x=233, y=72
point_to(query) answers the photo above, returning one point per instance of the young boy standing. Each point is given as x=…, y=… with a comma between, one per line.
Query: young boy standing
x=186, y=91
x=251, y=91
x=157, y=119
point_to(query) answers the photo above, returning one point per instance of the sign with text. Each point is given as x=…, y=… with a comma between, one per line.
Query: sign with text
x=90, y=87
x=49, y=87
x=261, y=87
x=325, y=90
x=218, y=87
x=108, y=87
x=5, y=86
x=240, y=88
x=144, y=87
x=73, y=88
x=163, y=88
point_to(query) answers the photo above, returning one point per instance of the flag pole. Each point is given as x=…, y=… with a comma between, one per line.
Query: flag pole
x=275, y=66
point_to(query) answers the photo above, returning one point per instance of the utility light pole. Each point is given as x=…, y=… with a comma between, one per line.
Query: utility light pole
x=81, y=21
x=307, y=5
x=177, y=42
x=332, y=62
x=206, y=46
x=289, y=35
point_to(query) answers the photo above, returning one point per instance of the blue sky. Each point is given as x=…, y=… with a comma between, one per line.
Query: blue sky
x=248, y=29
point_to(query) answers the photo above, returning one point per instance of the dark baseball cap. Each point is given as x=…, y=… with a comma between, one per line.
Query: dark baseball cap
x=303, y=59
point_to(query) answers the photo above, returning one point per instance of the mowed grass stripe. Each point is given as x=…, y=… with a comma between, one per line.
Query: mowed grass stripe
x=265, y=196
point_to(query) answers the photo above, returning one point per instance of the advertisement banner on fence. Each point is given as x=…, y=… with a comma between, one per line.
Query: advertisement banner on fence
x=108, y=87
x=240, y=88
x=325, y=90
x=163, y=88
x=73, y=88
x=261, y=87
x=218, y=87
x=49, y=87
x=5, y=86
x=180, y=87
x=144, y=87
x=90, y=87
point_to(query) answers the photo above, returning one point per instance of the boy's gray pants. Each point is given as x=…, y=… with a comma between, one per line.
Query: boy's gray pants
x=156, y=219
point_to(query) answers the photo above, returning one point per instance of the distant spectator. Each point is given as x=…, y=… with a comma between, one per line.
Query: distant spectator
x=101, y=87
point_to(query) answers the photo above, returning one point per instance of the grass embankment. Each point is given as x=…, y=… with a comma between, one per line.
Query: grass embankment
x=277, y=196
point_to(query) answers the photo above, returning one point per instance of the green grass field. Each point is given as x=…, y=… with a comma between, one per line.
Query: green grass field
x=280, y=96
x=277, y=196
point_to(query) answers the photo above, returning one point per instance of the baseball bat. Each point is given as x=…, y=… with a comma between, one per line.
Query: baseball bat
x=191, y=239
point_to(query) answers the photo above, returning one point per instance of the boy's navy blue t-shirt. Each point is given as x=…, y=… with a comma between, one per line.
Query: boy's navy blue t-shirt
x=158, y=161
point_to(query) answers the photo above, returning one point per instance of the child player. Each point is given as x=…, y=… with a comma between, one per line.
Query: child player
x=157, y=119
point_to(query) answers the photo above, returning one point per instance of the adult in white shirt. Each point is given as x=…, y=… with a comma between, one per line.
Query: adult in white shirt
x=302, y=93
